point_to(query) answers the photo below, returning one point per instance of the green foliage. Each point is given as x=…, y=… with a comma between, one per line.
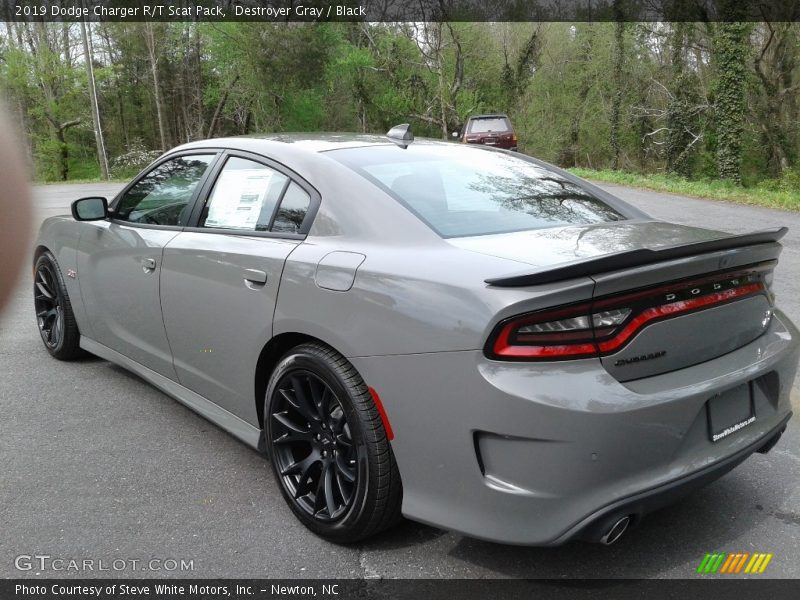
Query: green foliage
x=691, y=99
x=731, y=49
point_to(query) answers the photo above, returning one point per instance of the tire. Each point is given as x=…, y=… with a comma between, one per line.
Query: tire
x=54, y=315
x=328, y=446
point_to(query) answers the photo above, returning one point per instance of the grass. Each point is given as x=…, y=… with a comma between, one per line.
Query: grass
x=784, y=193
x=83, y=180
x=85, y=170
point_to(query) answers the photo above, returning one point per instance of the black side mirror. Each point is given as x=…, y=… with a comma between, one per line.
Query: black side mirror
x=93, y=208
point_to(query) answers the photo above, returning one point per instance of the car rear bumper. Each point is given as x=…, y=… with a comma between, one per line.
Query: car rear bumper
x=593, y=526
x=537, y=453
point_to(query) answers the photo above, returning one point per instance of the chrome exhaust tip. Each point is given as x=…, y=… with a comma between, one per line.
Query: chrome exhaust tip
x=616, y=531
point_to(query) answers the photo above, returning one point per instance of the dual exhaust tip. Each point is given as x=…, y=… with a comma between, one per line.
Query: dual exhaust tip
x=608, y=530
x=616, y=531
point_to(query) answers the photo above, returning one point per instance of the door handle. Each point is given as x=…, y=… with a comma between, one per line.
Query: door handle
x=253, y=278
x=148, y=265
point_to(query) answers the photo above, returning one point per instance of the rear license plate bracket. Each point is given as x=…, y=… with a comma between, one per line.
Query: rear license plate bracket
x=730, y=411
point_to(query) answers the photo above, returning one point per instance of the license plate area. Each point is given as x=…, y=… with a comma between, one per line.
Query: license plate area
x=730, y=412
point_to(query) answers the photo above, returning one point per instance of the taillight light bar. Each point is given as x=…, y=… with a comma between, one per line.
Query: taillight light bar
x=606, y=325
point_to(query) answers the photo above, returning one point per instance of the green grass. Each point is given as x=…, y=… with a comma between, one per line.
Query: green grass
x=85, y=170
x=783, y=193
x=83, y=180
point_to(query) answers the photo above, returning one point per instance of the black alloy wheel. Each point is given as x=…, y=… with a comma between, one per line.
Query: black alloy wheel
x=314, y=450
x=54, y=316
x=329, y=449
x=49, y=309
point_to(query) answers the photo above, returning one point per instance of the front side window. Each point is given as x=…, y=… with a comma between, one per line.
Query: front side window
x=461, y=191
x=162, y=196
x=244, y=196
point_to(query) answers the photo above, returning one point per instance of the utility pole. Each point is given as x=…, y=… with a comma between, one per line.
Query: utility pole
x=98, y=131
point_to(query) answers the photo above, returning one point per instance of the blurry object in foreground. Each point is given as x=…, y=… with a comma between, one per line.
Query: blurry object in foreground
x=15, y=211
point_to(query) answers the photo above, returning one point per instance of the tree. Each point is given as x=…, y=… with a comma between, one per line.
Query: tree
x=731, y=50
x=154, y=51
x=683, y=107
x=98, y=130
x=775, y=66
x=618, y=61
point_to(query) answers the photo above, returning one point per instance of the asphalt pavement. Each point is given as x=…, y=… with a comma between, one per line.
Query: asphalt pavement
x=96, y=464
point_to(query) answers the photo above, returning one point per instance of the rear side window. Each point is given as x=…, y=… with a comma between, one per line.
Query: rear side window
x=488, y=125
x=244, y=196
x=462, y=192
x=292, y=211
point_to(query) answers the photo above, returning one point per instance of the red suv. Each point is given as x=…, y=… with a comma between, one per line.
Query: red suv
x=491, y=130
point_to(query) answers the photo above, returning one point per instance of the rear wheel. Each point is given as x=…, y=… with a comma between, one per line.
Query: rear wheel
x=54, y=315
x=328, y=446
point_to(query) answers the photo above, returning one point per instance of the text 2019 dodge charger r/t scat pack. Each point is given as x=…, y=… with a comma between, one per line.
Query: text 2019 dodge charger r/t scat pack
x=461, y=335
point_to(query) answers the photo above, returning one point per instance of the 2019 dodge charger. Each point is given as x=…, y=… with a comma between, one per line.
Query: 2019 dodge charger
x=463, y=335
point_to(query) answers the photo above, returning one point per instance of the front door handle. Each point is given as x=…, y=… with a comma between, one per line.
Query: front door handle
x=253, y=278
x=148, y=265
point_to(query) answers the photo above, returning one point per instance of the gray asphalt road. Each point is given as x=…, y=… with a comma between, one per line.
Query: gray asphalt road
x=96, y=464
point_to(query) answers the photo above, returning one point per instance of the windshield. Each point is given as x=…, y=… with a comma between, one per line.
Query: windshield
x=463, y=192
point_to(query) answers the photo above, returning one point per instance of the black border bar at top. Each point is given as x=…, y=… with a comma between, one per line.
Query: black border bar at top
x=277, y=11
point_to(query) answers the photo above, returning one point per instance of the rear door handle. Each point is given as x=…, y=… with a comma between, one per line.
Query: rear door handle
x=253, y=278
x=148, y=265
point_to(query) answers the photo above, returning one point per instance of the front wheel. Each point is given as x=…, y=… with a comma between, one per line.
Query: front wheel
x=54, y=316
x=329, y=449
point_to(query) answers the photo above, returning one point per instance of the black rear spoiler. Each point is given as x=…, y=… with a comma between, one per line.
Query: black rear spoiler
x=635, y=258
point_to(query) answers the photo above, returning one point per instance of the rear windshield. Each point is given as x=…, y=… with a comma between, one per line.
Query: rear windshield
x=461, y=192
x=485, y=125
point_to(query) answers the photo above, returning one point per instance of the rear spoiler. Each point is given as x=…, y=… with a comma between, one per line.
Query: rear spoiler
x=636, y=258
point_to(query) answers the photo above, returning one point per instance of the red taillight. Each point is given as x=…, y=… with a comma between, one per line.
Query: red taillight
x=514, y=137
x=561, y=333
x=605, y=325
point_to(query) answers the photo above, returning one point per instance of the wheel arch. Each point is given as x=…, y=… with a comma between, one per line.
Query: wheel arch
x=270, y=354
x=40, y=249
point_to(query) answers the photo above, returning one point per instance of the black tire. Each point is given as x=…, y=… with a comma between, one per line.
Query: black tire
x=307, y=433
x=54, y=314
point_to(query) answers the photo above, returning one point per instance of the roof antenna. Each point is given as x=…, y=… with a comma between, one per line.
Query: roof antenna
x=401, y=135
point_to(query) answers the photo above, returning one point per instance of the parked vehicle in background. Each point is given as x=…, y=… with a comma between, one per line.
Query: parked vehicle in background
x=489, y=130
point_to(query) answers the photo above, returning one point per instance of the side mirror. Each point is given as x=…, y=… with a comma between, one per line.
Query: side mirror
x=94, y=208
x=454, y=134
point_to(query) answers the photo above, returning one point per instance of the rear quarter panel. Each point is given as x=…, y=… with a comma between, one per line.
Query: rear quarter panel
x=406, y=300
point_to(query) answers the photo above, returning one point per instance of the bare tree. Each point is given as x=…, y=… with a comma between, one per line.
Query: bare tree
x=98, y=131
x=153, y=54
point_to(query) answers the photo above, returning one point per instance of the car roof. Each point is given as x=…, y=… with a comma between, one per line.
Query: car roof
x=310, y=142
x=489, y=116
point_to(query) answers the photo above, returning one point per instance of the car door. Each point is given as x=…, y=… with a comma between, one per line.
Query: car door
x=119, y=259
x=220, y=277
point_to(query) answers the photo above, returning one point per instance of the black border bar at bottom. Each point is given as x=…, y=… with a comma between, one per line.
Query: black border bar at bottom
x=707, y=587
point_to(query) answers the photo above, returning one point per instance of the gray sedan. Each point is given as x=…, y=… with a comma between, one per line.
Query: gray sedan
x=465, y=336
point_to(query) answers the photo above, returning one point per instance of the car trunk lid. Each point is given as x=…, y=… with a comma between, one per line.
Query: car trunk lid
x=665, y=297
